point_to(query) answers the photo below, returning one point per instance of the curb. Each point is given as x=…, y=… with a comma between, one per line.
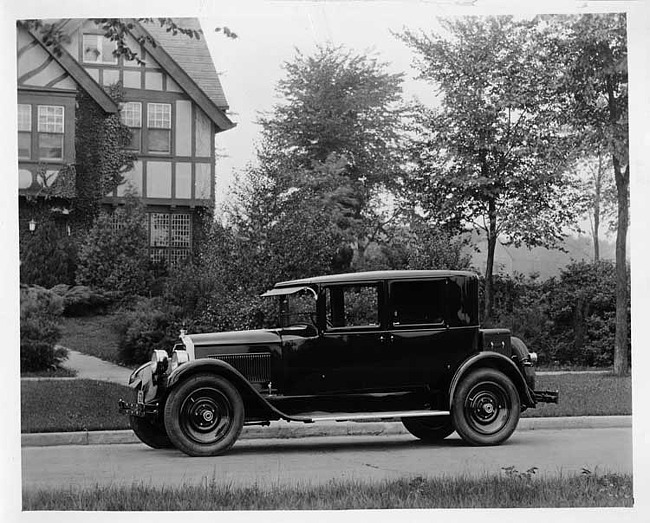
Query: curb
x=286, y=430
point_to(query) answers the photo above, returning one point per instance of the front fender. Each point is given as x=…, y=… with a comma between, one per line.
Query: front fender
x=499, y=362
x=221, y=368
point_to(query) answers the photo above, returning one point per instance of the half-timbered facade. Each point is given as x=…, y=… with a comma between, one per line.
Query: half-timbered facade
x=173, y=104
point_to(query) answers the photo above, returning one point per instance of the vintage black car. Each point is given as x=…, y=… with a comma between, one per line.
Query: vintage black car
x=390, y=345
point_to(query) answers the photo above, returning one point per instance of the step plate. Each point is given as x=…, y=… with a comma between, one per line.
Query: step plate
x=310, y=417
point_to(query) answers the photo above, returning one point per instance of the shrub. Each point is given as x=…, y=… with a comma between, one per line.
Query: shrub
x=148, y=325
x=114, y=256
x=80, y=300
x=48, y=256
x=39, y=329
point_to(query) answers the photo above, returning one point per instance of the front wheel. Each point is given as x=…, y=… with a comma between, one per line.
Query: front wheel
x=429, y=428
x=486, y=407
x=150, y=433
x=204, y=415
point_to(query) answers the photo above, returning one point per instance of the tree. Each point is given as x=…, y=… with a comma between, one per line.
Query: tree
x=594, y=47
x=344, y=108
x=599, y=194
x=115, y=29
x=493, y=156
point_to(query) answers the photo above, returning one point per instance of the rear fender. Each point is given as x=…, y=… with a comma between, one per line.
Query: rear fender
x=496, y=361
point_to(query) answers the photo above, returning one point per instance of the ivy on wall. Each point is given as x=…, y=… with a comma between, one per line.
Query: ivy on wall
x=101, y=158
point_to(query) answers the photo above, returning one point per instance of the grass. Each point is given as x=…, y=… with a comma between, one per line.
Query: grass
x=511, y=489
x=92, y=335
x=585, y=395
x=53, y=373
x=71, y=405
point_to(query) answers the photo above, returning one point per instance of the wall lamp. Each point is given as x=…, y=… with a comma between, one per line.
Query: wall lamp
x=32, y=225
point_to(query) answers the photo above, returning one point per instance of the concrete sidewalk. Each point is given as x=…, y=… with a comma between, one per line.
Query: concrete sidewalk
x=287, y=430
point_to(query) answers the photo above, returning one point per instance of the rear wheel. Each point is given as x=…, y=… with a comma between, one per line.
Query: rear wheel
x=150, y=433
x=429, y=428
x=204, y=415
x=486, y=407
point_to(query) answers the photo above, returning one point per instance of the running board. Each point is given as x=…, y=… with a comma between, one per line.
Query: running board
x=354, y=416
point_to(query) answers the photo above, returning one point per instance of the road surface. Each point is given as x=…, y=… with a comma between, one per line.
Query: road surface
x=319, y=459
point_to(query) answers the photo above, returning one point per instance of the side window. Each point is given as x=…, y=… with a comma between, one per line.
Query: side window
x=417, y=303
x=352, y=306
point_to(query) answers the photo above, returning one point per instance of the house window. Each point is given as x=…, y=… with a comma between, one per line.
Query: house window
x=24, y=131
x=132, y=117
x=50, y=132
x=159, y=124
x=98, y=49
x=170, y=237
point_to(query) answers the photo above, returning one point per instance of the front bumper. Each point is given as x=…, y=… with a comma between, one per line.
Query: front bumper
x=546, y=396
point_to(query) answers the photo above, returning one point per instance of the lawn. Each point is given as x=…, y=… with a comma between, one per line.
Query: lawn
x=92, y=335
x=510, y=489
x=71, y=405
x=585, y=395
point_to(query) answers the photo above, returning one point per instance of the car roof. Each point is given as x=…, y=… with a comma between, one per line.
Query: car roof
x=367, y=276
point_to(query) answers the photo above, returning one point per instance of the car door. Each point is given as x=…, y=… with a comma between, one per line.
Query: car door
x=418, y=330
x=349, y=355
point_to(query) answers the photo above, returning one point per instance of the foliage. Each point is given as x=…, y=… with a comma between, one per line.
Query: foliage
x=493, y=156
x=594, y=50
x=93, y=335
x=566, y=320
x=40, y=310
x=114, y=255
x=80, y=300
x=99, y=169
x=145, y=327
x=336, y=135
x=48, y=255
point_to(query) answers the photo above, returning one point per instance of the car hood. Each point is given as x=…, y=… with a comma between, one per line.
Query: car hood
x=261, y=336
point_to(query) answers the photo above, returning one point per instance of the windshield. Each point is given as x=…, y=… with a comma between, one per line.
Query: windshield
x=298, y=308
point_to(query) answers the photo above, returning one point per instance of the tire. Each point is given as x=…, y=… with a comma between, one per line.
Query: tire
x=204, y=415
x=150, y=433
x=485, y=408
x=430, y=429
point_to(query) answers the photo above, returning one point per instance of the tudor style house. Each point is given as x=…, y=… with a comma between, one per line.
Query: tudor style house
x=173, y=104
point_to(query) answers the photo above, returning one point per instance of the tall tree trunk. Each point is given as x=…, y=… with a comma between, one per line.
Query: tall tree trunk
x=489, y=266
x=621, y=362
x=597, y=197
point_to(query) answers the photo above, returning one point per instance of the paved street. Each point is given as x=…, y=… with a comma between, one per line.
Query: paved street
x=320, y=459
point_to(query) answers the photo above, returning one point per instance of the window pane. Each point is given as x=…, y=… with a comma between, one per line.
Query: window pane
x=418, y=303
x=180, y=228
x=24, y=145
x=159, y=234
x=159, y=140
x=98, y=48
x=132, y=114
x=92, y=51
x=159, y=116
x=136, y=137
x=24, y=117
x=353, y=306
x=50, y=146
x=50, y=119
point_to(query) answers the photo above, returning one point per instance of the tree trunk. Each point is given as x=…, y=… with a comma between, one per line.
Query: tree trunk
x=596, y=227
x=621, y=362
x=489, y=266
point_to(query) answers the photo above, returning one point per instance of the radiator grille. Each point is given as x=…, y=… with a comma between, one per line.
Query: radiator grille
x=255, y=367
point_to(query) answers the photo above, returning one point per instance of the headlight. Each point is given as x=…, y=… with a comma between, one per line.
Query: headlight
x=178, y=358
x=159, y=362
x=533, y=357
